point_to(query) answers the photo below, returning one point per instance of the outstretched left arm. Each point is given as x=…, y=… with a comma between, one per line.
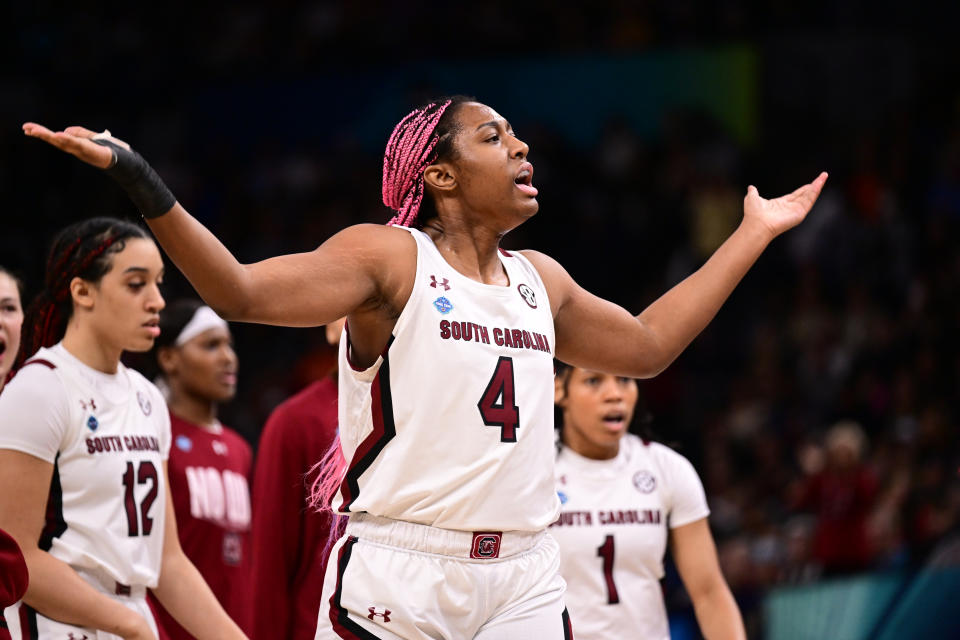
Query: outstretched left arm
x=696, y=558
x=595, y=334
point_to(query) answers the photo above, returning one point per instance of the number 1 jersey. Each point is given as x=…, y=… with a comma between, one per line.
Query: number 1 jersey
x=613, y=531
x=453, y=425
x=107, y=436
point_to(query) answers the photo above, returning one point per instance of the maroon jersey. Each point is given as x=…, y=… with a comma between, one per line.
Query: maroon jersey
x=288, y=536
x=13, y=577
x=209, y=474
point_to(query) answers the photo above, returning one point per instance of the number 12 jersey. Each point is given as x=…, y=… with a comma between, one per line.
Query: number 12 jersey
x=107, y=437
x=453, y=425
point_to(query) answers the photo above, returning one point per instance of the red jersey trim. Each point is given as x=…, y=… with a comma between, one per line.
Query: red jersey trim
x=383, y=432
x=45, y=363
x=343, y=626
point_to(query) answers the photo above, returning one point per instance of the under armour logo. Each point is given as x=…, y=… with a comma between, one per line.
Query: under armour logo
x=443, y=283
x=70, y=636
x=373, y=614
x=219, y=448
x=88, y=406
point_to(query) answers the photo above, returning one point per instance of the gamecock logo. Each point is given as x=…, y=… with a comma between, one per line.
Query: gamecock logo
x=486, y=544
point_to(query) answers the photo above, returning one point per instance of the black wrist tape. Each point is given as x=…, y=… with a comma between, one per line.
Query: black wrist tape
x=147, y=191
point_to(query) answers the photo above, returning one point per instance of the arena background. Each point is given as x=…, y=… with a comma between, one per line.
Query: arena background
x=646, y=121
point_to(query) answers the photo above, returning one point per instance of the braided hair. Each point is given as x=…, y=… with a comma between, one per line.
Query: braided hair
x=425, y=136
x=82, y=250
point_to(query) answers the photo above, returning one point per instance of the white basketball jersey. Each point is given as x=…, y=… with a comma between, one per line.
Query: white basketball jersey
x=107, y=436
x=453, y=425
x=612, y=532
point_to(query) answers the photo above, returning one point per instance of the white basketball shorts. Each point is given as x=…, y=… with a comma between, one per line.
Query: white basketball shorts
x=388, y=579
x=25, y=623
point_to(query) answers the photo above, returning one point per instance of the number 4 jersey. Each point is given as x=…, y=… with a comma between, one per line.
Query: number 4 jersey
x=612, y=531
x=107, y=436
x=453, y=425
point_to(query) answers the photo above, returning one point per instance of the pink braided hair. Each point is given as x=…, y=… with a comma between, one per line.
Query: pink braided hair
x=409, y=151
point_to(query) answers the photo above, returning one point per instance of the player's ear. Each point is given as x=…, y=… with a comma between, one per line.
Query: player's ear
x=81, y=292
x=167, y=358
x=440, y=176
x=559, y=391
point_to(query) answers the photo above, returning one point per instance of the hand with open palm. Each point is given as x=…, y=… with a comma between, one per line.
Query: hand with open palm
x=783, y=213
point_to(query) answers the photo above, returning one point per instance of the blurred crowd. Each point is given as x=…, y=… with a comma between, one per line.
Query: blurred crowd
x=820, y=408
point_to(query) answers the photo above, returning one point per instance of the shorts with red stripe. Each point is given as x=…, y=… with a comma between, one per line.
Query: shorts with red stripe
x=25, y=623
x=389, y=579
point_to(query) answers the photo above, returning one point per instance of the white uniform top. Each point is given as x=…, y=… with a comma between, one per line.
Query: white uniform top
x=453, y=425
x=107, y=436
x=612, y=532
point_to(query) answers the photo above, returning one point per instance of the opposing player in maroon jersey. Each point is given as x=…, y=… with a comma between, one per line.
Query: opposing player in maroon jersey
x=288, y=559
x=209, y=463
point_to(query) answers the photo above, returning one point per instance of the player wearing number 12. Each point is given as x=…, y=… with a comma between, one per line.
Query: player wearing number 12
x=83, y=452
x=446, y=386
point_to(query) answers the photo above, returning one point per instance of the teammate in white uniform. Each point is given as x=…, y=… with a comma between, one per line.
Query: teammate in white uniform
x=450, y=457
x=622, y=499
x=84, y=440
x=11, y=317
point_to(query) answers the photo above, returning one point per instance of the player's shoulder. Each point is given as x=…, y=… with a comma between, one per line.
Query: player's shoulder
x=40, y=374
x=379, y=238
x=234, y=439
x=661, y=453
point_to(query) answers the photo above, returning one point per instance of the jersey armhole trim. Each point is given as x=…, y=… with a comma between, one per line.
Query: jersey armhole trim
x=45, y=363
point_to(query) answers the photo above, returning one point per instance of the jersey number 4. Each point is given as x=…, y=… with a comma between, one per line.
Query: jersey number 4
x=145, y=473
x=498, y=405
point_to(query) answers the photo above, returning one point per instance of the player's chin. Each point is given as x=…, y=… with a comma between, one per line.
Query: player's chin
x=139, y=343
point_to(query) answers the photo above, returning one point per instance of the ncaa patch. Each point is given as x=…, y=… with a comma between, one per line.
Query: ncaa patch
x=184, y=443
x=443, y=305
x=92, y=423
x=563, y=497
x=644, y=481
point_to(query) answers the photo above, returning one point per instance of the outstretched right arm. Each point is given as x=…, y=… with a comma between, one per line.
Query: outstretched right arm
x=347, y=273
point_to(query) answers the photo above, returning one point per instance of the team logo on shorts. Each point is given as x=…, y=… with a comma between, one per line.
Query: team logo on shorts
x=644, y=481
x=486, y=545
x=144, y=403
x=443, y=305
x=184, y=443
x=92, y=423
x=528, y=296
x=374, y=613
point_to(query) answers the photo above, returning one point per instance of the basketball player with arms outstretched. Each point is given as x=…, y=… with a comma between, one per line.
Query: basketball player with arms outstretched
x=83, y=452
x=446, y=389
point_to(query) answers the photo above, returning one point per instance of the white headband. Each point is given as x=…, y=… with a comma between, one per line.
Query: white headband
x=203, y=320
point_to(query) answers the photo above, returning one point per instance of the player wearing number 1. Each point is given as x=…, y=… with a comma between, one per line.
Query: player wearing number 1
x=623, y=499
x=446, y=388
x=83, y=450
